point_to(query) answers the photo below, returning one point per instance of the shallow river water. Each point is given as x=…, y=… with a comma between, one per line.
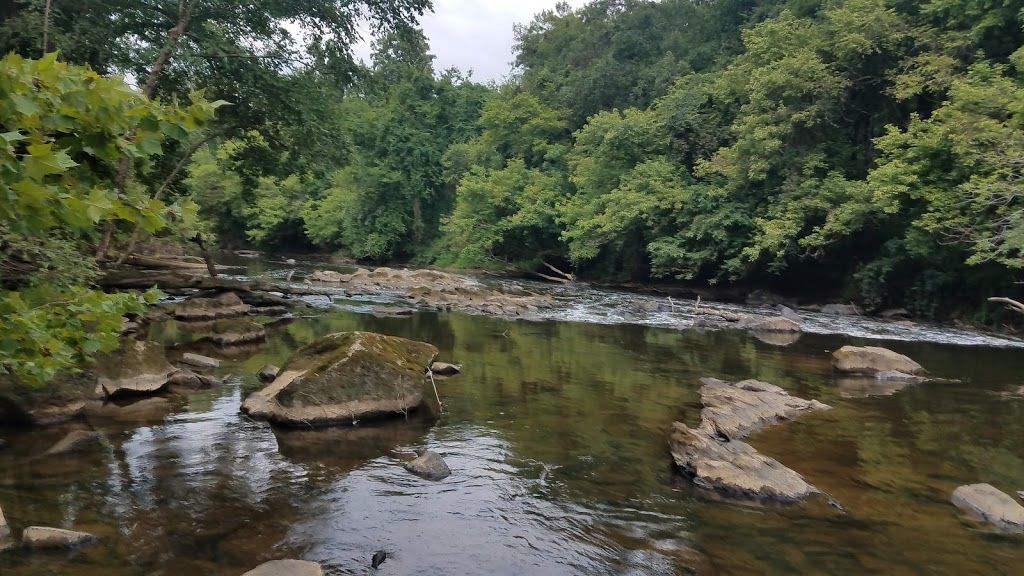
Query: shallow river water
x=556, y=435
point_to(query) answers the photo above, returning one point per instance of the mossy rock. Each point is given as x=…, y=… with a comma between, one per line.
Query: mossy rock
x=344, y=378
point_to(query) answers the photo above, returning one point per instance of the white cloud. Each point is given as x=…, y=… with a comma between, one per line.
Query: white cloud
x=475, y=34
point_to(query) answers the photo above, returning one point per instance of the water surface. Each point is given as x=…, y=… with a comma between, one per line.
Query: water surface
x=556, y=435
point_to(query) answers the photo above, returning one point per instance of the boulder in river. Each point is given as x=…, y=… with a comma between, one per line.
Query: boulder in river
x=872, y=360
x=991, y=505
x=329, y=276
x=224, y=305
x=286, y=568
x=789, y=313
x=429, y=465
x=136, y=368
x=42, y=537
x=344, y=378
x=231, y=332
x=713, y=456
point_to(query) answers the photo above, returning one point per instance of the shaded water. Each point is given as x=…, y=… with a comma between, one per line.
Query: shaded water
x=556, y=435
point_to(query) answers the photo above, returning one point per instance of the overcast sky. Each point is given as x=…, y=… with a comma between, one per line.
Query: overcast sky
x=475, y=34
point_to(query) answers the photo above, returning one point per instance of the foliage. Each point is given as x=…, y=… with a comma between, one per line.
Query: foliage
x=64, y=132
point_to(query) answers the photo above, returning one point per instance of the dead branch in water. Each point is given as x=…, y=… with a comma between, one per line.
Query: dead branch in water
x=568, y=276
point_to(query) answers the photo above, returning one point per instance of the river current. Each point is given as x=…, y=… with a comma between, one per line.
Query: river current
x=556, y=433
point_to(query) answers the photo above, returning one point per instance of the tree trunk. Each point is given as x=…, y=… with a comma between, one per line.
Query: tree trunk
x=46, y=26
x=210, y=266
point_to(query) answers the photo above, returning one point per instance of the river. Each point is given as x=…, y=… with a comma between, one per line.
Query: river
x=556, y=434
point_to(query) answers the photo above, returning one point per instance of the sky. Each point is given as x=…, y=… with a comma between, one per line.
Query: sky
x=475, y=34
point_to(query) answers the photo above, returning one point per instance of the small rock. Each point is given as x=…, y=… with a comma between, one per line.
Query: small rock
x=871, y=360
x=267, y=373
x=1020, y=494
x=789, y=313
x=378, y=558
x=445, y=369
x=42, y=537
x=290, y=261
x=841, y=309
x=287, y=568
x=77, y=441
x=5, y=530
x=992, y=505
x=200, y=361
x=429, y=465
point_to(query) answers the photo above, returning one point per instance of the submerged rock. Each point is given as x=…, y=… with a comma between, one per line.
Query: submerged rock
x=42, y=537
x=391, y=311
x=267, y=373
x=992, y=505
x=235, y=332
x=897, y=376
x=445, y=369
x=5, y=530
x=224, y=305
x=286, y=568
x=429, y=465
x=872, y=360
x=77, y=441
x=343, y=378
x=777, y=338
x=713, y=456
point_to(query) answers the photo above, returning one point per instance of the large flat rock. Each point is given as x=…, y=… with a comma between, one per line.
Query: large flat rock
x=224, y=305
x=991, y=505
x=344, y=378
x=137, y=368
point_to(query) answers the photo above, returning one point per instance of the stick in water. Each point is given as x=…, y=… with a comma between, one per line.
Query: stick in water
x=432, y=383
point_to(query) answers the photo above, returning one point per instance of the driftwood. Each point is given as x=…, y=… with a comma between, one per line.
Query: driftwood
x=1010, y=304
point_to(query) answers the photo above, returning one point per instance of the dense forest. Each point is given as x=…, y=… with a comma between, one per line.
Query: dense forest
x=866, y=150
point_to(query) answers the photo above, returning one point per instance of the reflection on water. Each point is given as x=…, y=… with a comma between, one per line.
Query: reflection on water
x=556, y=435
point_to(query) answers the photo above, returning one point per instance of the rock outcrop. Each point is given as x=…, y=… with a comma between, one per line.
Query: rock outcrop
x=872, y=360
x=429, y=465
x=287, y=568
x=224, y=305
x=42, y=537
x=344, y=378
x=991, y=505
x=715, y=458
